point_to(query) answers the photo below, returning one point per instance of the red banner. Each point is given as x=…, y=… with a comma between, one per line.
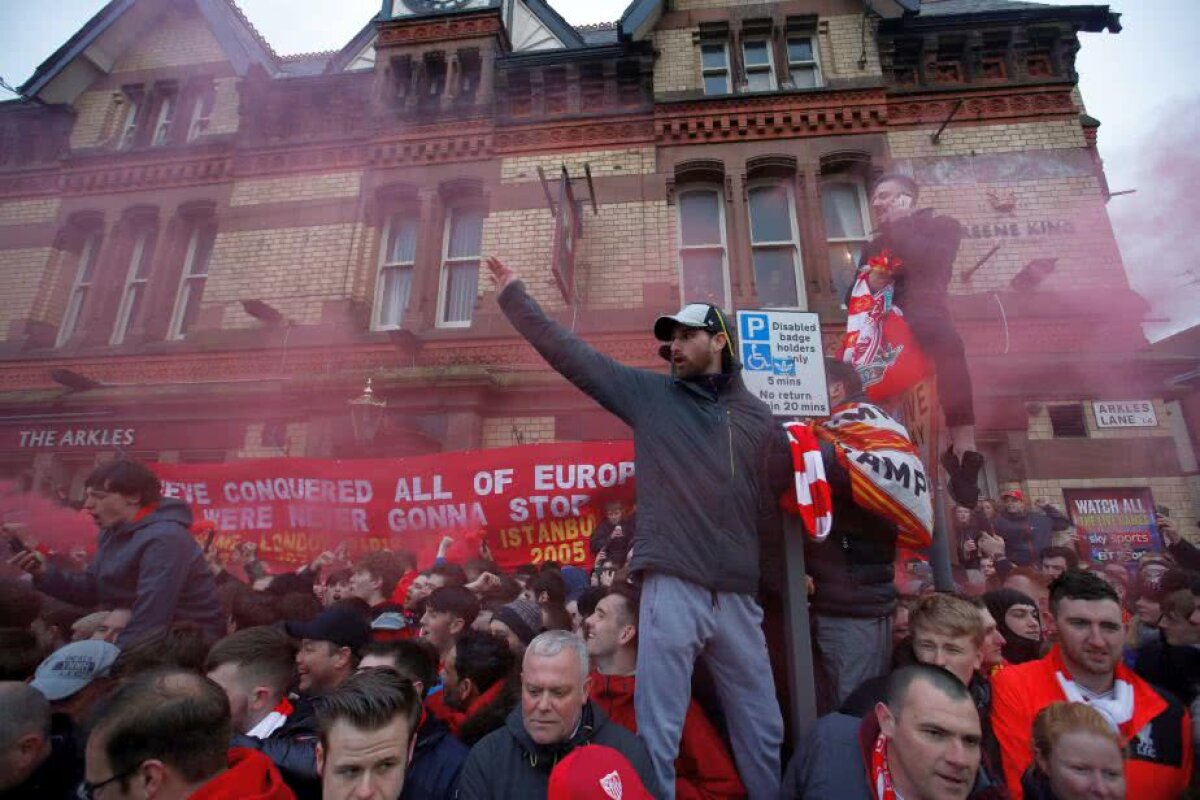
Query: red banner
x=533, y=503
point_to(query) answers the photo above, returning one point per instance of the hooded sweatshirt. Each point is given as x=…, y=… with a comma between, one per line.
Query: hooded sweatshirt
x=704, y=769
x=1017, y=649
x=508, y=765
x=151, y=565
x=251, y=776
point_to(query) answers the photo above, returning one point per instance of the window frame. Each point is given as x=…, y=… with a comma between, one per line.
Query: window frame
x=166, y=100
x=382, y=265
x=726, y=70
x=815, y=63
x=747, y=69
x=723, y=224
x=864, y=208
x=133, y=282
x=88, y=255
x=445, y=262
x=789, y=188
x=130, y=123
x=186, y=277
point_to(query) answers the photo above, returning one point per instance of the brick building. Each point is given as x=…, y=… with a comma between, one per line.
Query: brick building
x=206, y=248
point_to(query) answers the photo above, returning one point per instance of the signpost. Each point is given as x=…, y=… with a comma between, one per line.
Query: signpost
x=783, y=364
x=1125, y=414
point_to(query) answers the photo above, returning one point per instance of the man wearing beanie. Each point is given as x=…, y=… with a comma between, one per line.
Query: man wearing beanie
x=517, y=623
x=1018, y=621
x=711, y=462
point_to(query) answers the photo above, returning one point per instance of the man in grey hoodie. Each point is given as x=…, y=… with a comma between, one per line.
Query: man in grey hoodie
x=146, y=559
x=711, y=463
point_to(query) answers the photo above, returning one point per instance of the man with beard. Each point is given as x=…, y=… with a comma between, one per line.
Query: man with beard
x=1086, y=667
x=703, y=450
x=1019, y=622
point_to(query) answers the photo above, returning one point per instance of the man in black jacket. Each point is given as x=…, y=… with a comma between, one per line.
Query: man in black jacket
x=146, y=559
x=34, y=762
x=702, y=447
x=852, y=570
x=555, y=717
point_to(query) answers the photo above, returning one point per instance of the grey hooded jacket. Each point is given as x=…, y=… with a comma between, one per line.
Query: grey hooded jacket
x=152, y=566
x=703, y=450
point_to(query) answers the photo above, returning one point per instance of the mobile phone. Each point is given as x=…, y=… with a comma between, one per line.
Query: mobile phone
x=1162, y=511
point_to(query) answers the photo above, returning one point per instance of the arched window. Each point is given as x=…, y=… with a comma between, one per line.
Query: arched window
x=84, y=236
x=138, y=232
x=201, y=233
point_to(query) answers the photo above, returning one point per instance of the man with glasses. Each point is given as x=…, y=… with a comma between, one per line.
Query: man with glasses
x=165, y=735
x=146, y=559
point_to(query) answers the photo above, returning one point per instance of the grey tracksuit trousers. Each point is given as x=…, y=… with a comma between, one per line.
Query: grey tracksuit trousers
x=678, y=622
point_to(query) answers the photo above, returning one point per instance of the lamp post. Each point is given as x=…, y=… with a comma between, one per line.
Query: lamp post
x=366, y=414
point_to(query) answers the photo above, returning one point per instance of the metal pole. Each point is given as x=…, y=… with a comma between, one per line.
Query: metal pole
x=802, y=684
x=939, y=551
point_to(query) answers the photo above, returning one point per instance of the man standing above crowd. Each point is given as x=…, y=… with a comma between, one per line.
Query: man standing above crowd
x=146, y=559
x=1086, y=667
x=702, y=443
x=555, y=718
x=1026, y=532
x=922, y=743
x=704, y=768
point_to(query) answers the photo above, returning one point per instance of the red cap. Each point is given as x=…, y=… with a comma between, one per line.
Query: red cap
x=1017, y=493
x=596, y=772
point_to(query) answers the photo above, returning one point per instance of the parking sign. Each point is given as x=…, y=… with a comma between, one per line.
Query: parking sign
x=783, y=362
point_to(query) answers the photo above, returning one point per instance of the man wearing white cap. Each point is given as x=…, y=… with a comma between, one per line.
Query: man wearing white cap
x=703, y=444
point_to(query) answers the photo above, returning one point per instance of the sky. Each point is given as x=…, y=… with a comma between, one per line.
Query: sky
x=1137, y=83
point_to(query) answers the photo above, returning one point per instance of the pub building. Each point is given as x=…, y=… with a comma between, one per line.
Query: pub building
x=212, y=252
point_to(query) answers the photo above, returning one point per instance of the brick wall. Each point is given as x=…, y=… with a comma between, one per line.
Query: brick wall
x=604, y=163
x=293, y=269
x=841, y=41
x=960, y=139
x=510, y=431
x=1040, y=427
x=95, y=114
x=26, y=212
x=179, y=39
x=224, y=118
x=296, y=188
x=677, y=68
x=21, y=271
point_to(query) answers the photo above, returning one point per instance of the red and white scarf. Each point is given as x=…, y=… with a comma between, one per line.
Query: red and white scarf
x=887, y=476
x=865, y=314
x=881, y=776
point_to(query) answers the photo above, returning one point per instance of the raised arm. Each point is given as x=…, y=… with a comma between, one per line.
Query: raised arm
x=618, y=388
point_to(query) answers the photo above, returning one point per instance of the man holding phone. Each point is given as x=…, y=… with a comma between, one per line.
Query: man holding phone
x=926, y=245
x=146, y=558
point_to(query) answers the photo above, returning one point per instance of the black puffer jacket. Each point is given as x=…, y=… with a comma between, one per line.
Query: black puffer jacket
x=508, y=765
x=701, y=450
x=152, y=566
x=852, y=567
x=437, y=760
x=293, y=749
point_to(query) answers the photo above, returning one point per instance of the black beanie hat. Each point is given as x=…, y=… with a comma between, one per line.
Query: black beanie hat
x=1017, y=649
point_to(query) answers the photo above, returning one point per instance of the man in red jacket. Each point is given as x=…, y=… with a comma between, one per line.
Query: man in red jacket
x=704, y=768
x=166, y=735
x=1086, y=667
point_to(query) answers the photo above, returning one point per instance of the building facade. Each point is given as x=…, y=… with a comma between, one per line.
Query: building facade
x=206, y=249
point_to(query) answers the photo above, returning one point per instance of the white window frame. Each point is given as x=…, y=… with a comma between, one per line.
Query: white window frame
x=863, y=207
x=794, y=243
x=202, y=110
x=166, y=117
x=681, y=248
x=80, y=288
x=769, y=68
x=187, y=280
x=444, y=277
x=384, y=265
x=815, y=63
x=129, y=125
x=134, y=283
x=726, y=70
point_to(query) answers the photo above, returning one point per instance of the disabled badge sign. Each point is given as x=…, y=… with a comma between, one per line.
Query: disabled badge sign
x=782, y=361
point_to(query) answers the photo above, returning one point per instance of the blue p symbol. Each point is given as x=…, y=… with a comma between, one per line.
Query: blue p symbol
x=754, y=328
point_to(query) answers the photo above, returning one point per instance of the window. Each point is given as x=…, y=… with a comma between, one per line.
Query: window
x=1066, y=421
x=136, y=282
x=803, y=67
x=705, y=278
x=460, y=267
x=85, y=272
x=760, y=73
x=129, y=126
x=191, y=282
x=714, y=67
x=775, y=246
x=844, y=204
x=394, y=283
x=166, y=116
x=202, y=109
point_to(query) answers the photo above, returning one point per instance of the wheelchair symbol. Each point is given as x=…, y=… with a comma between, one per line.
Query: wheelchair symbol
x=785, y=366
x=757, y=357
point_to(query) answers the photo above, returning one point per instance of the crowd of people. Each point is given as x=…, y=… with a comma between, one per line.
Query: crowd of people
x=160, y=670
